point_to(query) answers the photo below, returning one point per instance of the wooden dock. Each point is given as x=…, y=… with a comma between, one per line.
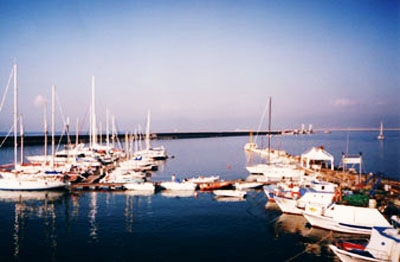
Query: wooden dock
x=98, y=186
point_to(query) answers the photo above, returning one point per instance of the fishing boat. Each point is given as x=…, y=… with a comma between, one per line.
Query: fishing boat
x=229, y=193
x=291, y=190
x=380, y=136
x=383, y=245
x=345, y=219
x=293, y=205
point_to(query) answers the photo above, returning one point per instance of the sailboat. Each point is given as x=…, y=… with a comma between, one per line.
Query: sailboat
x=155, y=153
x=17, y=178
x=380, y=136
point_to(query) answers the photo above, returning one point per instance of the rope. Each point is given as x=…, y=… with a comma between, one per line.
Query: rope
x=6, y=91
x=5, y=138
x=306, y=250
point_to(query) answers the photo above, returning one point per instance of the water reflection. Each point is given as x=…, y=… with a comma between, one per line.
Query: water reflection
x=28, y=205
x=92, y=217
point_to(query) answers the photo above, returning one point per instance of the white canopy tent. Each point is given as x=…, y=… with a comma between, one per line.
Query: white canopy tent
x=316, y=155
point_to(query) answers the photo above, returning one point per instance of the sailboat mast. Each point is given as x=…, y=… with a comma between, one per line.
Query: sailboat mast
x=77, y=132
x=148, y=131
x=269, y=129
x=53, y=110
x=107, y=128
x=21, y=132
x=15, y=116
x=45, y=131
x=94, y=131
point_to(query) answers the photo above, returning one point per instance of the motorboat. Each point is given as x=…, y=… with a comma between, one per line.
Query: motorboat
x=203, y=179
x=141, y=186
x=266, y=173
x=345, y=219
x=244, y=185
x=229, y=193
x=294, y=205
x=383, y=245
x=178, y=186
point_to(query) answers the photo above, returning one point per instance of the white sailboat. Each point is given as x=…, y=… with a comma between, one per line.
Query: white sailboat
x=380, y=136
x=17, y=178
x=156, y=153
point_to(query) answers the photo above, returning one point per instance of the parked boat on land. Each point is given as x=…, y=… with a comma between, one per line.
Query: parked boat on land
x=383, y=245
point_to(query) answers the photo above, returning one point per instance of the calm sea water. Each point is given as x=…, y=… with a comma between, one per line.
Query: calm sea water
x=121, y=226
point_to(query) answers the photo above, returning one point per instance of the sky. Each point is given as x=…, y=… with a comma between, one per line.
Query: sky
x=203, y=65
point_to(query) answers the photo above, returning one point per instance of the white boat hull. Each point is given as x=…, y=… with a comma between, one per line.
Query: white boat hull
x=31, y=184
x=346, y=219
x=229, y=193
x=146, y=186
x=184, y=186
x=345, y=256
x=296, y=206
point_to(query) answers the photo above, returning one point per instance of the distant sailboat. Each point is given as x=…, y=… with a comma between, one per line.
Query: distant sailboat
x=380, y=136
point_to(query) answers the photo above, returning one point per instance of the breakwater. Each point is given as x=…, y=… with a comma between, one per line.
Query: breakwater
x=34, y=140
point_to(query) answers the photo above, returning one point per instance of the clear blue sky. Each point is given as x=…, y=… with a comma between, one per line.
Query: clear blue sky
x=205, y=65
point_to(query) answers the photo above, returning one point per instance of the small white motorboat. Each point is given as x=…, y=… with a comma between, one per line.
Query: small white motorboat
x=173, y=185
x=203, y=179
x=145, y=186
x=345, y=219
x=243, y=185
x=230, y=193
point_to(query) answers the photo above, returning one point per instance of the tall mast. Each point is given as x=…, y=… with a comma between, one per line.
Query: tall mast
x=107, y=128
x=77, y=132
x=148, y=131
x=45, y=131
x=269, y=130
x=94, y=131
x=15, y=116
x=53, y=107
x=21, y=133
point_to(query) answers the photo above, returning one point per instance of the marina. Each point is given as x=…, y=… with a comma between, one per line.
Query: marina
x=144, y=131
x=190, y=219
